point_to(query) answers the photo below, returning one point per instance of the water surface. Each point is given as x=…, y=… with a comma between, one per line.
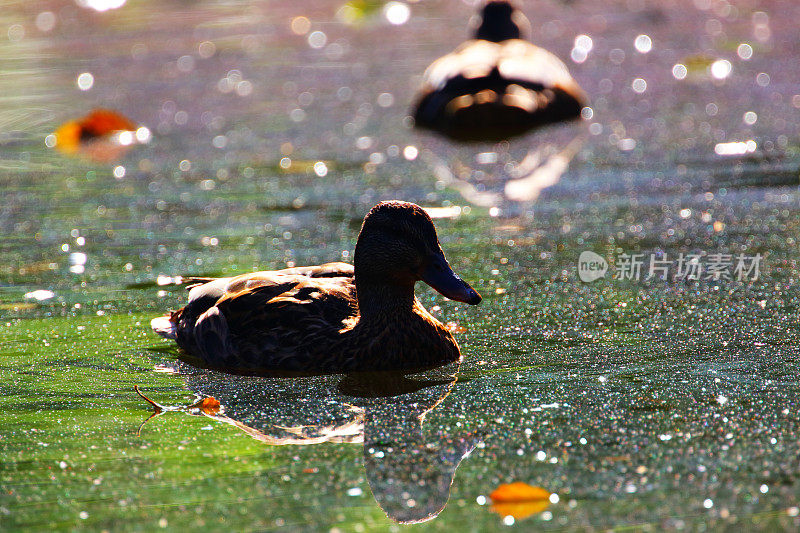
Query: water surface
x=639, y=403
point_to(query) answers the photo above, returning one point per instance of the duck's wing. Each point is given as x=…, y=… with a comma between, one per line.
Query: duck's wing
x=288, y=297
x=287, y=327
x=205, y=292
x=327, y=270
x=515, y=59
x=524, y=62
x=242, y=294
x=265, y=320
x=473, y=59
x=490, y=91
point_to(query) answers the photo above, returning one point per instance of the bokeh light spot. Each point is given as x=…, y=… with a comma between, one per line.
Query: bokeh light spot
x=721, y=69
x=396, y=13
x=580, y=51
x=745, y=51
x=85, y=81
x=45, y=21
x=101, y=5
x=300, y=25
x=320, y=169
x=317, y=39
x=679, y=71
x=643, y=44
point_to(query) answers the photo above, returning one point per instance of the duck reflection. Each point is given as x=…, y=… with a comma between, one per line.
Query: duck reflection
x=497, y=85
x=409, y=470
x=540, y=167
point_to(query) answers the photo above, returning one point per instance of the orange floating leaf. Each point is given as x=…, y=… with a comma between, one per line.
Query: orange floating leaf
x=209, y=405
x=101, y=122
x=102, y=135
x=519, y=500
x=520, y=510
x=518, y=492
x=68, y=137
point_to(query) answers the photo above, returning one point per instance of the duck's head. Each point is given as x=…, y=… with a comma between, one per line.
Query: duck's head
x=500, y=21
x=398, y=246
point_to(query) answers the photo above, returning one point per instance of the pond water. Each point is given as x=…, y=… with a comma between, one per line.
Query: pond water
x=636, y=401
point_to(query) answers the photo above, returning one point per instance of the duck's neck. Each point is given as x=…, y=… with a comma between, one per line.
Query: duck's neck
x=382, y=302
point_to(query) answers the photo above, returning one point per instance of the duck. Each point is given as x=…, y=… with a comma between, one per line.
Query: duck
x=330, y=318
x=497, y=85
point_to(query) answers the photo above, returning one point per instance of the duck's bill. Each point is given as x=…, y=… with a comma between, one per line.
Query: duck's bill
x=441, y=277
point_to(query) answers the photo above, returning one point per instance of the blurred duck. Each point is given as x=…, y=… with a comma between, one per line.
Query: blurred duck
x=333, y=317
x=497, y=85
x=102, y=135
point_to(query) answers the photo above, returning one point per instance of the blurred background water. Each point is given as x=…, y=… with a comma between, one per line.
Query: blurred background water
x=275, y=126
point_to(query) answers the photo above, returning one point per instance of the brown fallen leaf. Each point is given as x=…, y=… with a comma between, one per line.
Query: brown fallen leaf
x=101, y=122
x=209, y=405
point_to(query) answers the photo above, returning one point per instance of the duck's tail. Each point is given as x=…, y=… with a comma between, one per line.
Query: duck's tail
x=167, y=325
x=164, y=326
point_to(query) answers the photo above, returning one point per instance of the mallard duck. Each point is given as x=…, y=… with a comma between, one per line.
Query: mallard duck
x=333, y=317
x=497, y=85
